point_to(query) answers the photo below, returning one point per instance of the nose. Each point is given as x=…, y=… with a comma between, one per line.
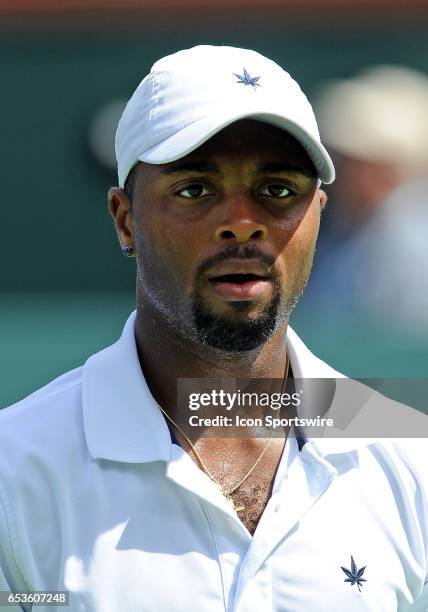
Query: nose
x=241, y=223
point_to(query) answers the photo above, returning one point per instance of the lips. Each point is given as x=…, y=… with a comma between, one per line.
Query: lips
x=240, y=286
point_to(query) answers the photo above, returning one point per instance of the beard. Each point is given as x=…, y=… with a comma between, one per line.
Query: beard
x=227, y=334
x=224, y=334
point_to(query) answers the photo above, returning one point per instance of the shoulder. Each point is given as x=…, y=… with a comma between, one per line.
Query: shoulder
x=411, y=454
x=49, y=398
x=304, y=363
x=42, y=425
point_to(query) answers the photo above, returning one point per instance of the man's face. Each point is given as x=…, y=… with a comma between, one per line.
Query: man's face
x=225, y=236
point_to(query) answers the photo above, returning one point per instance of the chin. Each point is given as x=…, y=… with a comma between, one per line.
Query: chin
x=238, y=329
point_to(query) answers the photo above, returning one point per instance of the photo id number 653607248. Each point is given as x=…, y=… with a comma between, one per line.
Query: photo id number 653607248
x=34, y=598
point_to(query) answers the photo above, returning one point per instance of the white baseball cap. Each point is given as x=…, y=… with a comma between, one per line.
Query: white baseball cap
x=191, y=95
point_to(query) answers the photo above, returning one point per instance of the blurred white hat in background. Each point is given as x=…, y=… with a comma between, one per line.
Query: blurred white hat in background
x=381, y=115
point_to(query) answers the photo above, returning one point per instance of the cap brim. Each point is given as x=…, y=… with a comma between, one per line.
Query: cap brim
x=194, y=135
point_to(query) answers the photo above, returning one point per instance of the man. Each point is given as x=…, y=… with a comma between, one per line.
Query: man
x=377, y=125
x=103, y=494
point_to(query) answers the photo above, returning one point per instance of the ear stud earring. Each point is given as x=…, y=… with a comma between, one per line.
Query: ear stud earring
x=128, y=251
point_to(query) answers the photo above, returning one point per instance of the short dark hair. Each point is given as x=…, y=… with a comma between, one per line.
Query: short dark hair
x=129, y=186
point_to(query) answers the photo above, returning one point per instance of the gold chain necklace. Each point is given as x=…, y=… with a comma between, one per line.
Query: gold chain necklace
x=227, y=494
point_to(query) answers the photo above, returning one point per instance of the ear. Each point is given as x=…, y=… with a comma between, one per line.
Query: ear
x=119, y=207
x=323, y=199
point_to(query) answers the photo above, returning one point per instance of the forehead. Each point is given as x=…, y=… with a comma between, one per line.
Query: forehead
x=247, y=136
x=246, y=140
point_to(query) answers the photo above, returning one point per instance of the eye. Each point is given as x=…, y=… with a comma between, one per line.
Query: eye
x=195, y=190
x=277, y=191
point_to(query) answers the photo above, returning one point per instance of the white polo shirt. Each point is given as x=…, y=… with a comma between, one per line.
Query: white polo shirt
x=96, y=500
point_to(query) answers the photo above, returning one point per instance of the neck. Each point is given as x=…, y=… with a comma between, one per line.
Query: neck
x=166, y=357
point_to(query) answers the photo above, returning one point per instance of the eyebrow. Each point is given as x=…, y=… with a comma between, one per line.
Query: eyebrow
x=211, y=167
x=191, y=166
x=275, y=167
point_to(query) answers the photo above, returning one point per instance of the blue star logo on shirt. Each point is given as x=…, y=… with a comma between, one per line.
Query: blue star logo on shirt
x=355, y=575
x=247, y=79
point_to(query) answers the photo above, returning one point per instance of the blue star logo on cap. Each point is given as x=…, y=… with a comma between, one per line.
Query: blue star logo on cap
x=247, y=79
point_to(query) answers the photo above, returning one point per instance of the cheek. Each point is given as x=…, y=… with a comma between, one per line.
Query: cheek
x=300, y=239
x=308, y=230
x=164, y=255
x=306, y=234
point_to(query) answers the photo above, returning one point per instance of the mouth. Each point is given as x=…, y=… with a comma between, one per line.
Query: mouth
x=240, y=286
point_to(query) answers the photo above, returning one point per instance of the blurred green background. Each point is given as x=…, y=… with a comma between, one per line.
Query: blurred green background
x=65, y=287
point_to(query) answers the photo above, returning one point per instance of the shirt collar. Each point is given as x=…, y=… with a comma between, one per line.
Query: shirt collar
x=120, y=416
x=121, y=419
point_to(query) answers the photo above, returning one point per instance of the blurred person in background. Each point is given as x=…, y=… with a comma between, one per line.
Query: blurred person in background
x=373, y=258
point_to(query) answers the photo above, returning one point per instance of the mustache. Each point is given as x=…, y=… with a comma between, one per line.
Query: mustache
x=236, y=252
